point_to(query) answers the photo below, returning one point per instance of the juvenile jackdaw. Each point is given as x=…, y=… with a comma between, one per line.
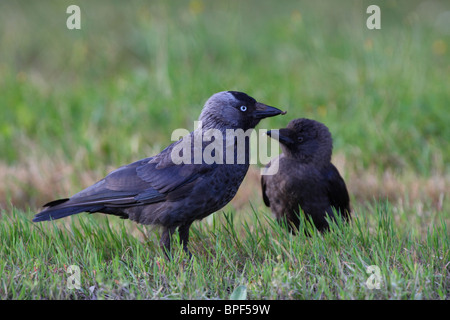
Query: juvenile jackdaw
x=163, y=191
x=306, y=178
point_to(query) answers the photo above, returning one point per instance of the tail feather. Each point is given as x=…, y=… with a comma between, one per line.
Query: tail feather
x=56, y=202
x=59, y=209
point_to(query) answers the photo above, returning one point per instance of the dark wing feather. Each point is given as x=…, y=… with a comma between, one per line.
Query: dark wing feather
x=170, y=178
x=146, y=181
x=165, y=176
x=119, y=188
x=263, y=189
x=337, y=190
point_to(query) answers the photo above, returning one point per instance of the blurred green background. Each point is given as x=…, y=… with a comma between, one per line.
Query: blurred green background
x=76, y=103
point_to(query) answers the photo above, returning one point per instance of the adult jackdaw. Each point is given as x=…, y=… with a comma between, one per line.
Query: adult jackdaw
x=179, y=185
x=306, y=178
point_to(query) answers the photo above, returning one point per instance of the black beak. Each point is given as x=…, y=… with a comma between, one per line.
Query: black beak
x=264, y=111
x=282, y=135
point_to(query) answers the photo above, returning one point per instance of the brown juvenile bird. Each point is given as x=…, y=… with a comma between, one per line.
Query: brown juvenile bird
x=306, y=178
x=173, y=194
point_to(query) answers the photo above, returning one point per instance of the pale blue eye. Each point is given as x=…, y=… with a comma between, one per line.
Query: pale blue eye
x=243, y=108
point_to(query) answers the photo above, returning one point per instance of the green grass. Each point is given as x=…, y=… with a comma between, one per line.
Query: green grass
x=76, y=104
x=118, y=260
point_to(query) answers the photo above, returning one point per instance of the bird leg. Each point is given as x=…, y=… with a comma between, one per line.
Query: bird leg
x=166, y=238
x=184, y=236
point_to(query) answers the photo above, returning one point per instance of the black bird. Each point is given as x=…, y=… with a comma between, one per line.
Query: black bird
x=163, y=191
x=306, y=178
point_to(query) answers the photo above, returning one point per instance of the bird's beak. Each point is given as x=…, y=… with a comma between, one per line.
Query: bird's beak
x=264, y=111
x=282, y=135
